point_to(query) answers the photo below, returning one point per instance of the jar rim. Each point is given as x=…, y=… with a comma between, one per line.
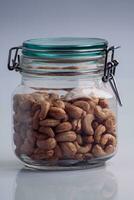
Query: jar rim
x=64, y=47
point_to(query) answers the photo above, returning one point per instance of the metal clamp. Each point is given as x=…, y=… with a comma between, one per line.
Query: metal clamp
x=14, y=59
x=109, y=72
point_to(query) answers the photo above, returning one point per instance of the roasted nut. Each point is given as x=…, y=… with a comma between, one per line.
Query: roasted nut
x=17, y=127
x=35, y=107
x=82, y=104
x=58, y=152
x=110, y=125
x=83, y=149
x=42, y=137
x=95, y=100
x=57, y=113
x=79, y=156
x=109, y=149
x=102, y=113
x=113, y=133
x=40, y=154
x=74, y=124
x=49, y=122
x=87, y=124
x=69, y=149
x=23, y=117
x=99, y=113
x=108, y=139
x=51, y=128
x=53, y=96
x=27, y=148
x=22, y=130
x=58, y=103
x=63, y=127
x=109, y=113
x=88, y=156
x=79, y=139
x=35, y=121
x=15, y=118
x=25, y=102
x=68, y=136
x=98, y=132
x=42, y=93
x=66, y=118
x=98, y=151
x=78, y=129
x=39, y=97
x=45, y=105
x=103, y=103
x=31, y=137
x=47, y=130
x=18, y=141
x=88, y=139
x=48, y=144
x=92, y=106
x=73, y=111
x=95, y=124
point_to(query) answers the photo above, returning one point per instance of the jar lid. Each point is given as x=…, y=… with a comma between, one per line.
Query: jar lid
x=64, y=47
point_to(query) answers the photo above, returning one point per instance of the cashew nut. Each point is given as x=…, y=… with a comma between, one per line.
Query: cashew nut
x=88, y=139
x=82, y=104
x=45, y=105
x=99, y=113
x=92, y=106
x=79, y=139
x=110, y=125
x=40, y=154
x=79, y=156
x=83, y=149
x=58, y=152
x=95, y=124
x=103, y=103
x=48, y=144
x=109, y=149
x=69, y=149
x=102, y=113
x=108, y=139
x=98, y=151
x=76, y=125
x=68, y=136
x=87, y=124
x=98, y=132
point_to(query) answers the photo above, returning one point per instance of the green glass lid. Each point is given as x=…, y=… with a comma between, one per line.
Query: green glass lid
x=65, y=43
x=63, y=47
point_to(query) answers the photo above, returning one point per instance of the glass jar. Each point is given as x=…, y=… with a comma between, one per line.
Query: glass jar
x=64, y=110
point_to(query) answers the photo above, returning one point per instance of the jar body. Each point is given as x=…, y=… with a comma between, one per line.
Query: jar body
x=64, y=122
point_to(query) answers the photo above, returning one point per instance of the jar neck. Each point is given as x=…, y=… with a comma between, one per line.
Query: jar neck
x=61, y=82
x=42, y=73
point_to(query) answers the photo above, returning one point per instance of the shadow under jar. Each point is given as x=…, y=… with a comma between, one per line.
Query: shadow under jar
x=64, y=112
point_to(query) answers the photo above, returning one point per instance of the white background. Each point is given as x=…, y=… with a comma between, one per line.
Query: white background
x=112, y=20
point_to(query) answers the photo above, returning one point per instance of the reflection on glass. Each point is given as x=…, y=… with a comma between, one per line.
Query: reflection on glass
x=95, y=184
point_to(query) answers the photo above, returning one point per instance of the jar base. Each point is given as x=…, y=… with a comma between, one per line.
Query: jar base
x=66, y=165
x=66, y=168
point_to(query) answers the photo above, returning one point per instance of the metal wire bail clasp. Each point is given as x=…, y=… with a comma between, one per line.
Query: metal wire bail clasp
x=109, y=72
x=14, y=59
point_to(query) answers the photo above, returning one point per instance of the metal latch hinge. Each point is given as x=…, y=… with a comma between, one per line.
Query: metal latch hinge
x=109, y=72
x=14, y=59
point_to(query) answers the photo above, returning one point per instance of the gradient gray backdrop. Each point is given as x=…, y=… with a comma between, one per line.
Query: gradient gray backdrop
x=113, y=20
